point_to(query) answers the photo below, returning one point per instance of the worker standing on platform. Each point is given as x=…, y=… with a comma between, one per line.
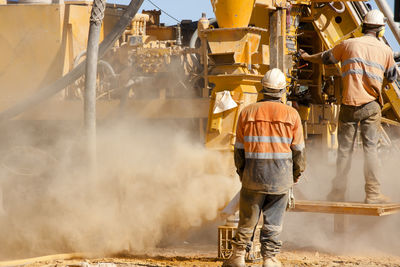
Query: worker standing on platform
x=365, y=62
x=269, y=157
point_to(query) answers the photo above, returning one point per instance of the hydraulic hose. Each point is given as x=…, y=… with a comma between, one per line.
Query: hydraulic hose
x=193, y=40
x=78, y=71
x=337, y=10
x=96, y=20
x=195, y=35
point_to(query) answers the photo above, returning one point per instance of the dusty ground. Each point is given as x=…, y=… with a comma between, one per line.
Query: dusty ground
x=206, y=256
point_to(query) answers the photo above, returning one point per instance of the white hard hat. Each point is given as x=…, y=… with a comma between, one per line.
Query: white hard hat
x=374, y=17
x=274, y=83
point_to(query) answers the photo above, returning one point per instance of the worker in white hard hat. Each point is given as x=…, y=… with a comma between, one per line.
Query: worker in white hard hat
x=366, y=62
x=269, y=158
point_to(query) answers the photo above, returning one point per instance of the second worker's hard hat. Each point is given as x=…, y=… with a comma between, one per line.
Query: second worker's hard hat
x=374, y=18
x=274, y=83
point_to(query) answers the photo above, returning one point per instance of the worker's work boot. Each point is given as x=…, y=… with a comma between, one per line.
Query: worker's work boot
x=377, y=199
x=236, y=259
x=271, y=262
x=336, y=195
x=373, y=193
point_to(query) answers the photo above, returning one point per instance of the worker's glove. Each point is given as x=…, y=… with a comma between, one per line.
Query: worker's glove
x=303, y=54
x=291, y=200
x=240, y=173
x=296, y=179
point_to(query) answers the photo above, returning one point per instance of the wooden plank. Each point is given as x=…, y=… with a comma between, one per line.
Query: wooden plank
x=352, y=208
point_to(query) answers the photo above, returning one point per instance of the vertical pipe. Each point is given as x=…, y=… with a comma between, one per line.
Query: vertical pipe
x=178, y=34
x=96, y=19
x=204, y=49
x=396, y=11
x=385, y=8
x=249, y=67
x=274, y=37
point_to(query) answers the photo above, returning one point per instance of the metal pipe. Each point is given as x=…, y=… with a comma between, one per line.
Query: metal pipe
x=394, y=26
x=96, y=20
x=195, y=35
x=178, y=34
x=77, y=72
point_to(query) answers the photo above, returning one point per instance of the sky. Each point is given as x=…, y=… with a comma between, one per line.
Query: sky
x=192, y=9
x=179, y=9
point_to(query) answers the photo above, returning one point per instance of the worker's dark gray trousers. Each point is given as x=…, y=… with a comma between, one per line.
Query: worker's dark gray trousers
x=273, y=207
x=368, y=118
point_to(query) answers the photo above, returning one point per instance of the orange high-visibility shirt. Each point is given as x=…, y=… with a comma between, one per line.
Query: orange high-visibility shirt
x=365, y=62
x=270, y=134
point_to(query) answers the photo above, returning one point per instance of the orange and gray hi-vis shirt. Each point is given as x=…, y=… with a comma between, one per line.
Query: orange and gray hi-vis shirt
x=365, y=61
x=269, y=148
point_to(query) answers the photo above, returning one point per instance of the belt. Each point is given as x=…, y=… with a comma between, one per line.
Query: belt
x=361, y=106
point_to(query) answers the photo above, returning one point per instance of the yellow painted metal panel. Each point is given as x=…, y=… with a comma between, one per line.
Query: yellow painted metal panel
x=31, y=47
x=39, y=43
x=393, y=99
x=76, y=28
x=231, y=40
x=265, y=4
x=335, y=27
x=221, y=128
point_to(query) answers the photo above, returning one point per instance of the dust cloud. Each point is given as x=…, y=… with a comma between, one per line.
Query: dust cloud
x=156, y=182
x=363, y=235
x=153, y=179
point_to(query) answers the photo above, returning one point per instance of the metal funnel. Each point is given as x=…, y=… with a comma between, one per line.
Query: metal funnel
x=233, y=13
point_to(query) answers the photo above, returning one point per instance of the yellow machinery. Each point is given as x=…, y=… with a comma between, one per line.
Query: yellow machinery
x=267, y=34
x=255, y=36
x=252, y=36
x=39, y=42
x=157, y=72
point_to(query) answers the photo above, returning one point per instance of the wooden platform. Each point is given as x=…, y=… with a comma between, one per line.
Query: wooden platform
x=351, y=208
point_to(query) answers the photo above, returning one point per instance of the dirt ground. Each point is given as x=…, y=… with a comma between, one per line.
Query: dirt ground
x=206, y=256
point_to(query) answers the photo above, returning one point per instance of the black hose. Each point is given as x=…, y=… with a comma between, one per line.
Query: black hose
x=77, y=72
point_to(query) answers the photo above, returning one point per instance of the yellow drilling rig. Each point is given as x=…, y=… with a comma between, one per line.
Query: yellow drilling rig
x=154, y=71
x=204, y=71
x=268, y=34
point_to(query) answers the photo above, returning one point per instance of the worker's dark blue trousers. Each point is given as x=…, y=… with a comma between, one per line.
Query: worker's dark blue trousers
x=273, y=207
x=366, y=118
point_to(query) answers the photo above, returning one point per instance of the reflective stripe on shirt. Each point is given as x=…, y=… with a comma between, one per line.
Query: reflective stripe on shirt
x=298, y=147
x=363, y=61
x=268, y=139
x=362, y=72
x=239, y=145
x=255, y=155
